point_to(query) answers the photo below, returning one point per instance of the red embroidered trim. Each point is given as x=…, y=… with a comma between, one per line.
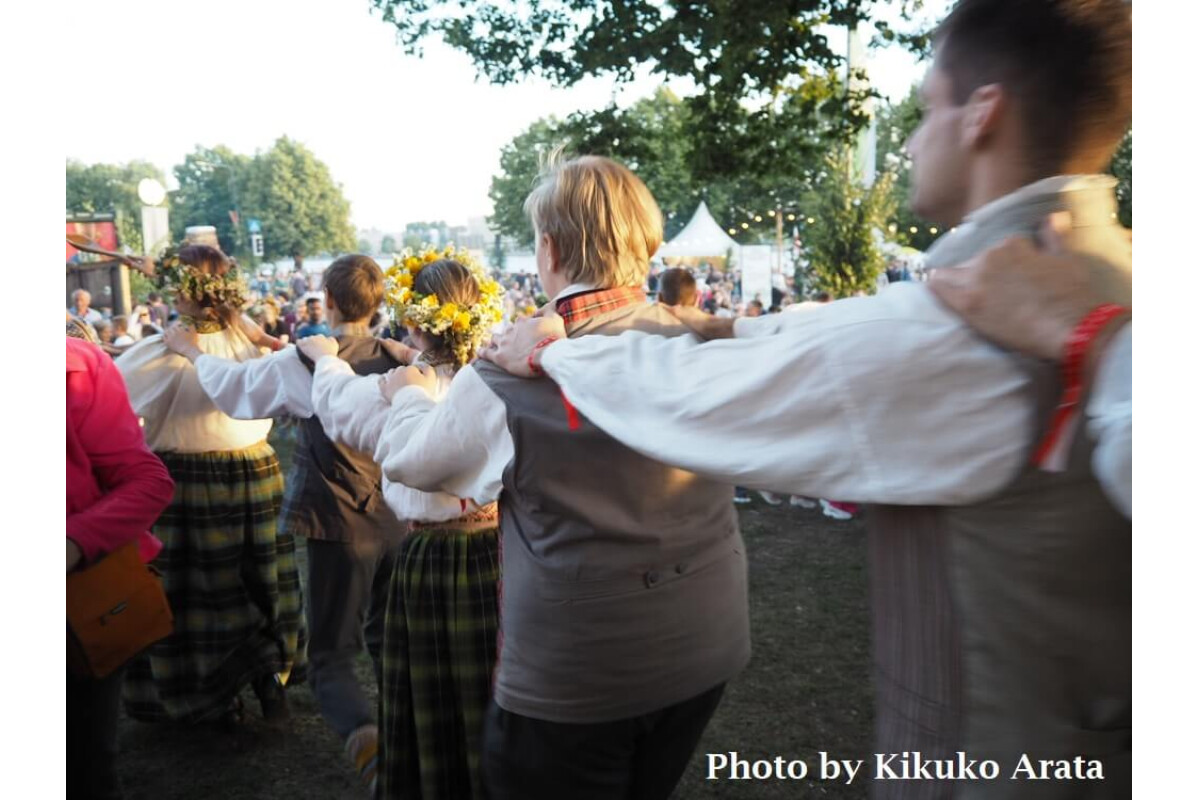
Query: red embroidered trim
x=572, y=413
x=1078, y=344
x=533, y=367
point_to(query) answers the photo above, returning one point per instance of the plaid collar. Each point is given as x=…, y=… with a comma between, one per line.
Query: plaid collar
x=585, y=305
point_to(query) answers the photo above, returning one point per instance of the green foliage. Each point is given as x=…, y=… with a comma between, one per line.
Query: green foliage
x=301, y=209
x=111, y=188
x=388, y=245
x=212, y=182
x=364, y=247
x=656, y=137
x=843, y=254
x=762, y=67
x=896, y=122
x=140, y=286
x=1122, y=169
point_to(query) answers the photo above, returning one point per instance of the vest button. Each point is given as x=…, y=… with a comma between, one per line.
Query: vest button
x=651, y=578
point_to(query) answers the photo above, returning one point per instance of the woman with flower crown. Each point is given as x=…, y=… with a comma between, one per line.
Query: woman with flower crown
x=230, y=576
x=442, y=618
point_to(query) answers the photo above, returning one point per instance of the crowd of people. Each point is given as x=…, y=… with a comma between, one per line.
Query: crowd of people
x=529, y=522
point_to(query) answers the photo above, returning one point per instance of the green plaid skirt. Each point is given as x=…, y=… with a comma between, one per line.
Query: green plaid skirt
x=233, y=585
x=439, y=648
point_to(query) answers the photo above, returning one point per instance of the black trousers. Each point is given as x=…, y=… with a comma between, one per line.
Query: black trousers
x=93, y=707
x=641, y=758
x=347, y=602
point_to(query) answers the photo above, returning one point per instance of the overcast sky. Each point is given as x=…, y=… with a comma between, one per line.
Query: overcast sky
x=409, y=139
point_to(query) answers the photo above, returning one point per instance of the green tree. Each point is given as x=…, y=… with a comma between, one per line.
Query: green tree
x=520, y=163
x=212, y=181
x=656, y=138
x=111, y=188
x=364, y=247
x=761, y=67
x=302, y=210
x=895, y=124
x=388, y=245
x=843, y=252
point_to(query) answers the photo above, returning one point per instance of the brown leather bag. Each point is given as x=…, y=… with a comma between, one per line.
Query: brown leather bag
x=116, y=608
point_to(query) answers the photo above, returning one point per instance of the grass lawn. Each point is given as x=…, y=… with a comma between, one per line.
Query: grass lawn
x=807, y=689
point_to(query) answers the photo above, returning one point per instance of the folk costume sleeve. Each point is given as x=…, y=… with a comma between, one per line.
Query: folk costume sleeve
x=459, y=446
x=272, y=386
x=1110, y=421
x=351, y=409
x=886, y=399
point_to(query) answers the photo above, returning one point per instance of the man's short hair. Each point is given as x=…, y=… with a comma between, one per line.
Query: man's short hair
x=355, y=284
x=1067, y=63
x=603, y=220
x=677, y=287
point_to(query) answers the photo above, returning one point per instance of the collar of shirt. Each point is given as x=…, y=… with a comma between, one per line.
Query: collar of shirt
x=588, y=303
x=351, y=329
x=1047, y=186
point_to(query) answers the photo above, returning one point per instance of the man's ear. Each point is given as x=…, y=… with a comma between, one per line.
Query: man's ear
x=329, y=304
x=551, y=252
x=984, y=113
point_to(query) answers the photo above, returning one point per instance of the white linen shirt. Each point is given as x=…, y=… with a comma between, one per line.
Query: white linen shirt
x=354, y=412
x=164, y=389
x=885, y=399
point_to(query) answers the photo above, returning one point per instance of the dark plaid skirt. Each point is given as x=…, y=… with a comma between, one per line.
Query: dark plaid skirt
x=233, y=585
x=439, y=648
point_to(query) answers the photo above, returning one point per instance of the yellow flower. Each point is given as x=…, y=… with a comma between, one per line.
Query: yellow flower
x=412, y=264
x=430, y=301
x=404, y=280
x=462, y=321
x=448, y=311
x=431, y=256
x=403, y=295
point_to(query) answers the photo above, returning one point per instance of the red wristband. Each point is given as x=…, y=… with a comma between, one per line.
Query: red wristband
x=1074, y=354
x=534, y=368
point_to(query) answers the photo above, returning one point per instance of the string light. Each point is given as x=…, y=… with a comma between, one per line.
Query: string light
x=758, y=219
x=732, y=231
x=913, y=229
x=933, y=231
x=791, y=217
x=811, y=220
x=771, y=213
x=745, y=225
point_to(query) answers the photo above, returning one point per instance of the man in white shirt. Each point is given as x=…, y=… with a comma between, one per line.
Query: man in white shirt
x=81, y=306
x=1008, y=581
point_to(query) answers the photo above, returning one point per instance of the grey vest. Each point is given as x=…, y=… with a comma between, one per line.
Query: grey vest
x=1004, y=628
x=624, y=584
x=335, y=492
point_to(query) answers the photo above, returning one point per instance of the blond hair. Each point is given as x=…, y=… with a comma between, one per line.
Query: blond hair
x=603, y=220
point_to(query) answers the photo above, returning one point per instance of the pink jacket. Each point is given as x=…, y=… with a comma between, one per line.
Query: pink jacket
x=116, y=487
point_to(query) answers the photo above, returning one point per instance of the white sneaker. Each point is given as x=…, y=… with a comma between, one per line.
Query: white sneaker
x=834, y=513
x=771, y=498
x=802, y=502
x=740, y=499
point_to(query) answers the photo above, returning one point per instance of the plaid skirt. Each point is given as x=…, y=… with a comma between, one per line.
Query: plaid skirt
x=439, y=649
x=233, y=585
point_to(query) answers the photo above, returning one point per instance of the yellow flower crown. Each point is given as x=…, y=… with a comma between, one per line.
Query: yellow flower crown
x=463, y=329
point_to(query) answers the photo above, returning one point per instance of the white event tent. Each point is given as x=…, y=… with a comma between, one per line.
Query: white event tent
x=701, y=237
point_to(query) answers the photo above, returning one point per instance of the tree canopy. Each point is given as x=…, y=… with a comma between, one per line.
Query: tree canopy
x=763, y=69
x=301, y=209
x=111, y=188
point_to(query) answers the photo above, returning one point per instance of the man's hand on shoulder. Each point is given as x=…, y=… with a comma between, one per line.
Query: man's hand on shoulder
x=519, y=349
x=317, y=346
x=183, y=339
x=706, y=326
